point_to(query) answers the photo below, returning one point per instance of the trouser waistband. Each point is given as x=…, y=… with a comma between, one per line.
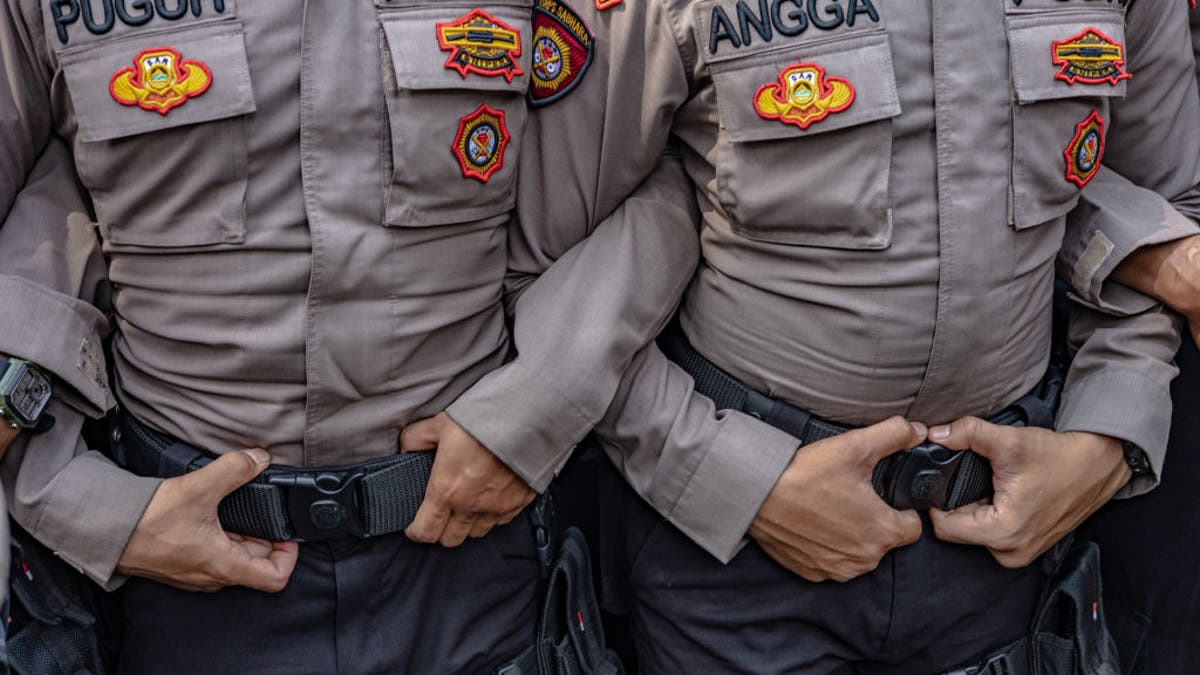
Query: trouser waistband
x=284, y=503
x=921, y=477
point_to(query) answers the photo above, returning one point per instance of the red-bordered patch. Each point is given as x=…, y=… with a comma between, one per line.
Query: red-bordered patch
x=602, y=5
x=803, y=96
x=1091, y=57
x=480, y=142
x=1085, y=150
x=563, y=47
x=482, y=44
x=160, y=80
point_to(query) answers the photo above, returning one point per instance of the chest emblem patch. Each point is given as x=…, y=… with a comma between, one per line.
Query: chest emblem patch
x=803, y=96
x=1090, y=57
x=482, y=44
x=160, y=80
x=1085, y=150
x=480, y=142
x=562, y=51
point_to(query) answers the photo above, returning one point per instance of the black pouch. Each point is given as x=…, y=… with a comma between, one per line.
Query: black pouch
x=60, y=623
x=1070, y=634
x=570, y=635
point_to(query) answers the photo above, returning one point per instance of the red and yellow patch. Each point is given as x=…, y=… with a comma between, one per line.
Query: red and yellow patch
x=160, y=80
x=803, y=96
x=480, y=142
x=602, y=5
x=482, y=44
x=1085, y=150
x=562, y=51
x=1091, y=57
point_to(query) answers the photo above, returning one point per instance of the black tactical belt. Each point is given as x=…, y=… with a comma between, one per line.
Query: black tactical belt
x=283, y=503
x=917, y=478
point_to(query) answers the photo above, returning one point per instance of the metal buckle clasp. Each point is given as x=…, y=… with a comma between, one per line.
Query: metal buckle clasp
x=922, y=477
x=321, y=504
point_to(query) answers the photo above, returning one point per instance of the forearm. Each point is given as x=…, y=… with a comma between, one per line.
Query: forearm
x=577, y=327
x=707, y=471
x=1119, y=383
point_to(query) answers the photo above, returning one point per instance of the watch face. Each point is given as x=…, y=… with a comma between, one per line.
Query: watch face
x=29, y=396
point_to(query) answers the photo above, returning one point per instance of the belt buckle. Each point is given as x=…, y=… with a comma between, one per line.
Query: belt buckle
x=922, y=477
x=321, y=504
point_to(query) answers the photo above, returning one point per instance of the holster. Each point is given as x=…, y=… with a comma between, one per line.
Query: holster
x=1070, y=634
x=59, y=622
x=570, y=634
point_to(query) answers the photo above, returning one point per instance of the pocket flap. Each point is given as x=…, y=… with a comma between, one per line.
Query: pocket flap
x=801, y=92
x=1064, y=54
x=204, y=77
x=457, y=46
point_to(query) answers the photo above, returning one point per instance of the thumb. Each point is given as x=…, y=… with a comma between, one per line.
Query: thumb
x=984, y=438
x=421, y=435
x=230, y=471
x=885, y=438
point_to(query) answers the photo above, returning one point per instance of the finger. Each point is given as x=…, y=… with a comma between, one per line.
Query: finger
x=430, y=521
x=986, y=439
x=482, y=526
x=457, y=529
x=977, y=524
x=885, y=438
x=268, y=574
x=420, y=435
x=229, y=472
x=906, y=527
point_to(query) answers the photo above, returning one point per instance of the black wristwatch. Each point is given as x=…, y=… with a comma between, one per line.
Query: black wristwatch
x=24, y=392
x=1136, y=458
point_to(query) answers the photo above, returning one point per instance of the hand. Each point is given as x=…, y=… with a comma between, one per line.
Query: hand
x=1169, y=273
x=823, y=519
x=8, y=434
x=179, y=540
x=470, y=491
x=1046, y=484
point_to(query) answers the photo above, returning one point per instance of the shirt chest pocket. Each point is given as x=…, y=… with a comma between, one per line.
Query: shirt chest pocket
x=804, y=149
x=160, y=143
x=1067, y=65
x=456, y=76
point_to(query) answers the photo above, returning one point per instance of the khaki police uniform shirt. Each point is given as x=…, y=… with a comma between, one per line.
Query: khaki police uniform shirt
x=303, y=210
x=886, y=246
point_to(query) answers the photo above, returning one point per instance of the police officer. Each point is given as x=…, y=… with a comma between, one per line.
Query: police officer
x=883, y=189
x=1150, y=544
x=303, y=217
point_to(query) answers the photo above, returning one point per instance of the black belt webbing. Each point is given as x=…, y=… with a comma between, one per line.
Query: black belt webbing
x=283, y=503
x=967, y=476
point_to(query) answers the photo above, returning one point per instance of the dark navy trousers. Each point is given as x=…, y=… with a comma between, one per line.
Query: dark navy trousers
x=928, y=608
x=384, y=605
x=1151, y=548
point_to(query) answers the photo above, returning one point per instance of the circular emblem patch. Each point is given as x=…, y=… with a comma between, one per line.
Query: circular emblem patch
x=551, y=59
x=1084, y=151
x=480, y=142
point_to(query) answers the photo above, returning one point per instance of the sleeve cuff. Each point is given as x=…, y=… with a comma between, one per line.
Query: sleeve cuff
x=731, y=483
x=1115, y=218
x=1140, y=414
x=65, y=340
x=496, y=411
